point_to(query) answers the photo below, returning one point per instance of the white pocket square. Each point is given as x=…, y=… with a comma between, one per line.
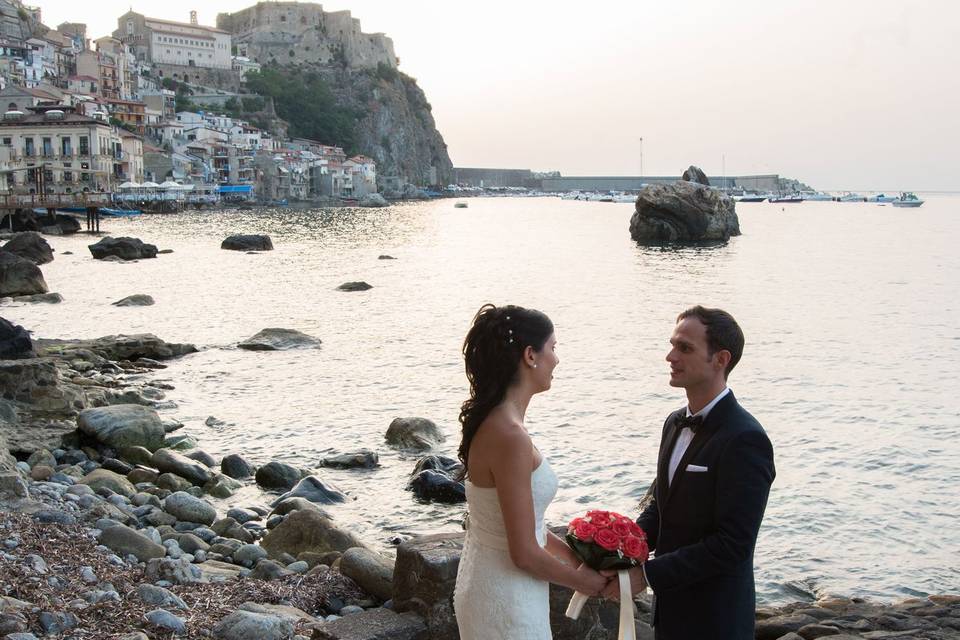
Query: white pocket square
x=695, y=468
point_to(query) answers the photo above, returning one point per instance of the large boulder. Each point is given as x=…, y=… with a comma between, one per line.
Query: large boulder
x=183, y=506
x=247, y=243
x=414, y=433
x=32, y=246
x=696, y=174
x=424, y=578
x=124, y=540
x=374, y=624
x=37, y=382
x=104, y=479
x=372, y=571
x=169, y=461
x=123, y=425
x=314, y=489
x=19, y=276
x=15, y=341
x=235, y=466
x=123, y=248
x=118, y=347
x=274, y=339
x=683, y=213
x=248, y=625
x=278, y=475
x=307, y=530
x=373, y=200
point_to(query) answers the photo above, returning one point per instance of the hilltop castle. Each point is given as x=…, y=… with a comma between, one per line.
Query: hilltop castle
x=302, y=32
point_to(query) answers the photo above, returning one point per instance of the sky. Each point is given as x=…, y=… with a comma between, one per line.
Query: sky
x=840, y=94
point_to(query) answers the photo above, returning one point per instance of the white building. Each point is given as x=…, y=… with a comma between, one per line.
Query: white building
x=175, y=43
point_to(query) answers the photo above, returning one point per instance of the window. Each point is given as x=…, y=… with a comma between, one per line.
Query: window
x=28, y=149
x=7, y=142
x=48, y=175
x=66, y=147
x=47, y=147
x=68, y=176
x=84, y=146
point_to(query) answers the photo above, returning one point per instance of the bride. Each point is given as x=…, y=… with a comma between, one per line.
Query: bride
x=509, y=557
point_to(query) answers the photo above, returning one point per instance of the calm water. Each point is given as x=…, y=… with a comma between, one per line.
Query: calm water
x=852, y=358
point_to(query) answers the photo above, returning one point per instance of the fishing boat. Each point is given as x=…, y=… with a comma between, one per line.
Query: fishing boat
x=907, y=199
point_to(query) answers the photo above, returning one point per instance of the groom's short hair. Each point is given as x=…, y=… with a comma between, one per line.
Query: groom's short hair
x=723, y=332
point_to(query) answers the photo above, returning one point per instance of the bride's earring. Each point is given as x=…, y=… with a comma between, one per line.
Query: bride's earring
x=534, y=365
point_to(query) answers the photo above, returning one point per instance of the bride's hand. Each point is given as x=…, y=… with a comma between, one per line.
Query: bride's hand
x=591, y=582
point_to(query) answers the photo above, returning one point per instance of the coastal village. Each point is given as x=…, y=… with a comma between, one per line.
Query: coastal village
x=99, y=115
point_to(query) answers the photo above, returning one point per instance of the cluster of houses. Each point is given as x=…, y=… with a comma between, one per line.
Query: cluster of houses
x=98, y=117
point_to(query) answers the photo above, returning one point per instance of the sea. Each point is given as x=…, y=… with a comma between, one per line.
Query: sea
x=852, y=359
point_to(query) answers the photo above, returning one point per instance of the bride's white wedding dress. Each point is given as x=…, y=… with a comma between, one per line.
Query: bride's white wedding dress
x=494, y=600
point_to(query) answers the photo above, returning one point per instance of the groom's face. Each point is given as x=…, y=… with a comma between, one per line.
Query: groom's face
x=691, y=364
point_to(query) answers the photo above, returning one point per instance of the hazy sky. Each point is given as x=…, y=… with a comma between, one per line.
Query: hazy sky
x=842, y=94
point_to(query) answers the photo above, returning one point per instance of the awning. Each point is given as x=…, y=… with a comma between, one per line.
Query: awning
x=236, y=188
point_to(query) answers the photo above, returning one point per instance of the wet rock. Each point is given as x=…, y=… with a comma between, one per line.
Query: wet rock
x=123, y=248
x=437, y=486
x=314, y=489
x=221, y=486
x=186, y=507
x=373, y=200
x=683, y=213
x=777, y=626
x=307, y=530
x=116, y=348
x=372, y=571
x=355, y=286
x=234, y=466
x=414, y=433
x=19, y=276
x=123, y=540
x=276, y=339
x=289, y=505
x=277, y=475
x=168, y=461
x=242, y=515
x=247, y=243
x=247, y=625
x=363, y=459
x=117, y=466
x=123, y=425
x=202, y=457
x=30, y=245
x=136, y=300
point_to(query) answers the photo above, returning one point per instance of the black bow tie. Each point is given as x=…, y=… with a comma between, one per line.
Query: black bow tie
x=690, y=422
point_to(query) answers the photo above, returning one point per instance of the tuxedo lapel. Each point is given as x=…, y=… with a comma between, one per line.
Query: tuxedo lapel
x=666, y=448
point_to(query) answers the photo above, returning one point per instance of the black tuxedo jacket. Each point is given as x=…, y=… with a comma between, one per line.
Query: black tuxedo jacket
x=703, y=527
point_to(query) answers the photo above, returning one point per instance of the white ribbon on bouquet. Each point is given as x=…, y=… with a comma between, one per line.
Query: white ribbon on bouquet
x=627, y=629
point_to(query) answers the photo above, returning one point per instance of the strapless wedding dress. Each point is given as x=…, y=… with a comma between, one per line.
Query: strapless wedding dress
x=494, y=600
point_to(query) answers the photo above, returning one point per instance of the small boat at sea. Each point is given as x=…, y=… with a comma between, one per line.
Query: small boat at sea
x=751, y=197
x=816, y=196
x=460, y=205
x=880, y=197
x=851, y=197
x=907, y=199
x=793, y=197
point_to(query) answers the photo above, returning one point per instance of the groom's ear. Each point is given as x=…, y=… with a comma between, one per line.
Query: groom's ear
x=721, y=359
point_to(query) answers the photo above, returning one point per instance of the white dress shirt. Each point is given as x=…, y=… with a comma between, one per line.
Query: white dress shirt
x=686, y=435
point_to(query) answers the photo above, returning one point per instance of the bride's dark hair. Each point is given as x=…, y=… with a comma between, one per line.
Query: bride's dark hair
x=492, y=352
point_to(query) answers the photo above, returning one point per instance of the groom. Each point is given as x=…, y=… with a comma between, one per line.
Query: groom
x=704, y=509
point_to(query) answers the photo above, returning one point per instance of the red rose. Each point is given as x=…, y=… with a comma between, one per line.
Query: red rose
x=637, y=531
x=607, y=539
x=599, y=518
x=583, y=530
x=635, y=548
x=620, y=527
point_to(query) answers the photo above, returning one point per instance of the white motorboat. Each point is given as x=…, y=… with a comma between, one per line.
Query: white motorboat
x=881, y=197
x=907, y=199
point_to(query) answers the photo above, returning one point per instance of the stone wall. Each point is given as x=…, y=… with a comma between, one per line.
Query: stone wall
x=225, y=79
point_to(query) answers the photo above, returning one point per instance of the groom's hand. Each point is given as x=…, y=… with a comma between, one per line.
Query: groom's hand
x=638, y=583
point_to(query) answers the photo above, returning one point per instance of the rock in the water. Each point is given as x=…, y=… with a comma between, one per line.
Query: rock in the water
x=683, y=213
x=234, y=466
x=373, y=200
x=277, y=475
x=307, y=530
x=247, y=243
x=15, y=341
x=247, y=625
x=169, y=461
x=121, y=347
x=123, y=248
x=274, y=339
x=313, y=489
x=363, y=459
x=414, y=433
x=188, y=508
x=372, y=571
x=136, y=300
x=434, y=479
x=355, y=286
x=19, y=276
x=695, y=174
x=124, y=540
x=123, y=425
x=32, y=246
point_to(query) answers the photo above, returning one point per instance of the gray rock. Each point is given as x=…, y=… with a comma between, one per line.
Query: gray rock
x=115, y=348
x=247, y=625
x=277, y=475
x=314, y=489
x=55, y=623
x=183, y=442
x=300, y=566
x=124, y=425
x=374, y=624
x=242, y=515
x=30, y=245
x=288, y=505
x=372, y=571
x=269, y=570
x=166, y=620
x=99, y=479
x=221, y=486
x=88, y=576
x=159, y=597
x=230, y=528
x=172, y=482
x=777, y=626
x=249, y=554
x=695, y=174
x=136, y=455
x=136, y=300
x=19, y=276
x=355, y=286
x=123, y=248
x=425, y=575
x=40, y=298
x=683, y=213
x=124, y=540
x=234, y=466
x=242, y=242
x=363, y=459
x=276, y=339
x=184, y=506
x=167, y=460
x=307, y=530
x=41, y=457
x=179, y=571
x=202, y=457
x=414, y=433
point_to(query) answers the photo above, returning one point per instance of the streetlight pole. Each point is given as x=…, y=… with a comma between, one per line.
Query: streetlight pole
x=641, y=162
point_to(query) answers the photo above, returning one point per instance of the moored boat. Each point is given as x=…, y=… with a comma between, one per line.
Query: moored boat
x=907, y=199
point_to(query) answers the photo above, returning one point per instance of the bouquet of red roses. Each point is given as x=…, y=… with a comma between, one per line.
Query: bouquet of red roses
x=608, y=540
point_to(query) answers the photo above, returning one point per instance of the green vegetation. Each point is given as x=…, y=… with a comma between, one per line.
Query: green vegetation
x=305, y=101
x=386, y=72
